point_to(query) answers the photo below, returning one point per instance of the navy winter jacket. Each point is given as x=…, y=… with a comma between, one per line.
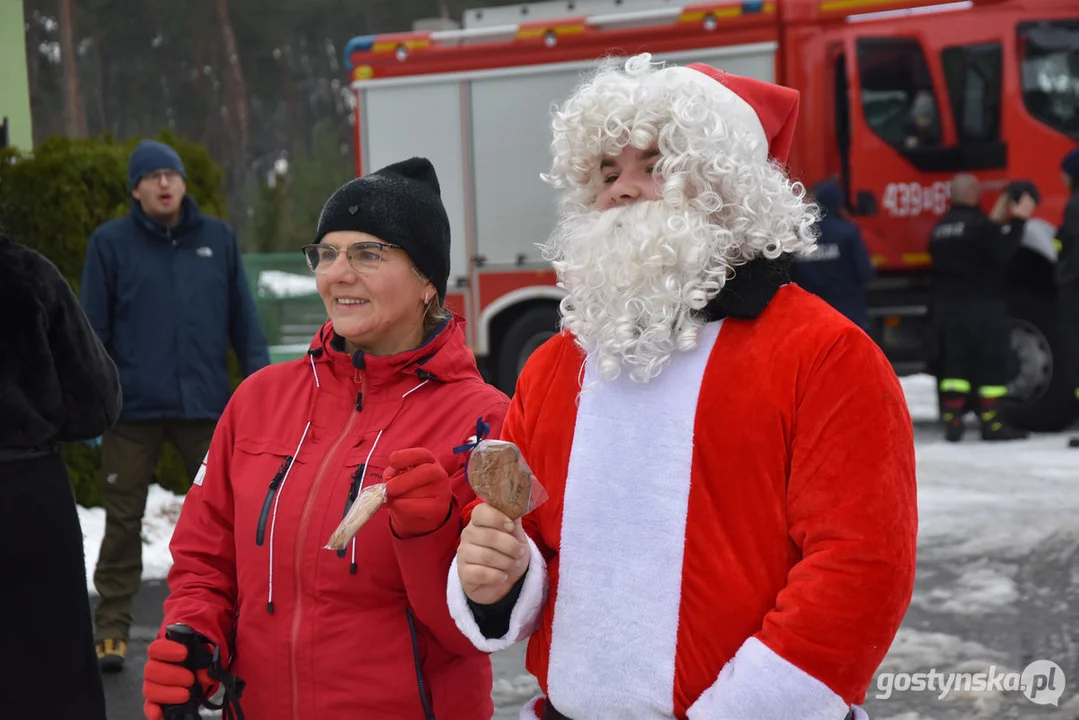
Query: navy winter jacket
x=840, y=268
x=166, y=302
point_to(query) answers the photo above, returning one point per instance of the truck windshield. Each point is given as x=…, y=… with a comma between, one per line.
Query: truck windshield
x=1049, y=65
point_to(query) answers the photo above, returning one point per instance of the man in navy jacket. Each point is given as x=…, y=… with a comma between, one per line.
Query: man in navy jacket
x=839, y=268
x=165, y=290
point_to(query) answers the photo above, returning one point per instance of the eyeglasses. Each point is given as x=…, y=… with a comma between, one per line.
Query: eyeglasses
x=155, y=176
x=363, y=257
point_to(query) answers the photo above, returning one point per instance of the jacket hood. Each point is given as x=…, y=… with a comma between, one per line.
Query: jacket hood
x=829, y=195
x=444, y=356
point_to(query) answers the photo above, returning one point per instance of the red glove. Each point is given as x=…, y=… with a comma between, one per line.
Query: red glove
x=165, y=681
x=418, y=493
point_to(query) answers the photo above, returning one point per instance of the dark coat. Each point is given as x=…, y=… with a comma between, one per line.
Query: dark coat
x=57, y=383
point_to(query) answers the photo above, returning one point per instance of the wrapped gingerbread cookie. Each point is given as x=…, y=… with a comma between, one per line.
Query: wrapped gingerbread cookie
x=500, y=477
x=366, y=505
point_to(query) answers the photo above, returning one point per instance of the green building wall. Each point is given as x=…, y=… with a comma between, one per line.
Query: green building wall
x=14, y=82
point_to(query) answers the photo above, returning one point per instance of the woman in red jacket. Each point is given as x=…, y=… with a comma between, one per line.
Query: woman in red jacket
x=386, y=393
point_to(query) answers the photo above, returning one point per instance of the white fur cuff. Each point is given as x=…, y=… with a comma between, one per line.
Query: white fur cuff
x=758, y=683
x=526, y=613
x=528, y=712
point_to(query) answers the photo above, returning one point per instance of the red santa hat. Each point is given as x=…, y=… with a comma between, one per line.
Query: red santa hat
x=764, y=110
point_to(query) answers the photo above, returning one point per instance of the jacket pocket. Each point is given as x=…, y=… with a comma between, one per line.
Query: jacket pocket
x=271, y=463
x=271, y=493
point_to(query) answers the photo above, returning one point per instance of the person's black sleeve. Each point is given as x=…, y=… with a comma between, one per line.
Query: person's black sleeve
x=89, y=382
x=1002, y=239
x=494, y=619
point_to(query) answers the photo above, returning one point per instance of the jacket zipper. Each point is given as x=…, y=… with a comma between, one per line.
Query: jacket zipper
x=260, y=533
x=301, y=534
x=427, y=714
x=176, y=327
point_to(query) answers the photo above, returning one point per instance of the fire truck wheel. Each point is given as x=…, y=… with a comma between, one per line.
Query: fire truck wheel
x=1042, y=398
x=531, y=329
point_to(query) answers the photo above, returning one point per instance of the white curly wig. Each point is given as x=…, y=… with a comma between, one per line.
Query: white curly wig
x=725, y=202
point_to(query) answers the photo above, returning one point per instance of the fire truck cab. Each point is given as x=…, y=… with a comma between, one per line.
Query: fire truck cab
x=897, y=96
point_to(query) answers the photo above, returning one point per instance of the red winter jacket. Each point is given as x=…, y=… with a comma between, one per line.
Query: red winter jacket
x=314, y=633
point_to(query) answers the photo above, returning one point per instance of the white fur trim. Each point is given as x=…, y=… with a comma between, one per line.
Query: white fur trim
x=525, y=615
x=528, y=712
x=859, y=713
x=737, y=109
x=757, y=683
x=616, y=613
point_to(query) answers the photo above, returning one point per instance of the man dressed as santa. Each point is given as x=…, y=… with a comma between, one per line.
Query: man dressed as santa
x=731, y=523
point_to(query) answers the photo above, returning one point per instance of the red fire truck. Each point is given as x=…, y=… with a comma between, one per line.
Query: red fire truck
x=1000, y=77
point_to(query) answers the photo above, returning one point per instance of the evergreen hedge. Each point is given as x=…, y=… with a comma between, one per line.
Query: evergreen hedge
x=52, y=199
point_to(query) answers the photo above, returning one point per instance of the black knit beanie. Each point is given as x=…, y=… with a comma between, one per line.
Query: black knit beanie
x=399, y=204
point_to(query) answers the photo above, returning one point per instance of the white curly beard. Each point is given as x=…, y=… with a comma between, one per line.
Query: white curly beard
x=636, y=277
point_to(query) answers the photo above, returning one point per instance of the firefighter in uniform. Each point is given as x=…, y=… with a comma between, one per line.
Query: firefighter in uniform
x=970, y=252
x=1067, y=244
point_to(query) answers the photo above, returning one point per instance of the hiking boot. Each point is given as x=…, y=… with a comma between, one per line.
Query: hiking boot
x=111, y=653
x=953, y=407
x=1074, y=442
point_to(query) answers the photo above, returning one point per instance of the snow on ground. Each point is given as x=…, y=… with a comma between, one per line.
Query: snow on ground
x=278, y=283
x=921, y=392
x=982, y=586
x=996, y=498
x=162, y=510
x=977, y=498
x=917, y=649
x=997, y=548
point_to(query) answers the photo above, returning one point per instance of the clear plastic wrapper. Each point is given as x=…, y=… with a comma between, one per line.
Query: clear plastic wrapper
x=363, y=509
x=500, y=477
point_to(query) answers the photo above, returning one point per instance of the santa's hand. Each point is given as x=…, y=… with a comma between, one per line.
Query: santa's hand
x=492, y=556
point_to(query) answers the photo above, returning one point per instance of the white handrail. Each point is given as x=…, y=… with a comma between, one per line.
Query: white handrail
x=634, y=17
x=927, y=9
x=452, y=35
x=597, y=21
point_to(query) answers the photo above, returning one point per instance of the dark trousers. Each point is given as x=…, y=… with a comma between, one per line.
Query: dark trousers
x=128, y=457
x=46, y=641
x=1068, y=323
x=975, y=341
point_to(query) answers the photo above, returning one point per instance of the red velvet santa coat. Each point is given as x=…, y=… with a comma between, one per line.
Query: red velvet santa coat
x=734, y=540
